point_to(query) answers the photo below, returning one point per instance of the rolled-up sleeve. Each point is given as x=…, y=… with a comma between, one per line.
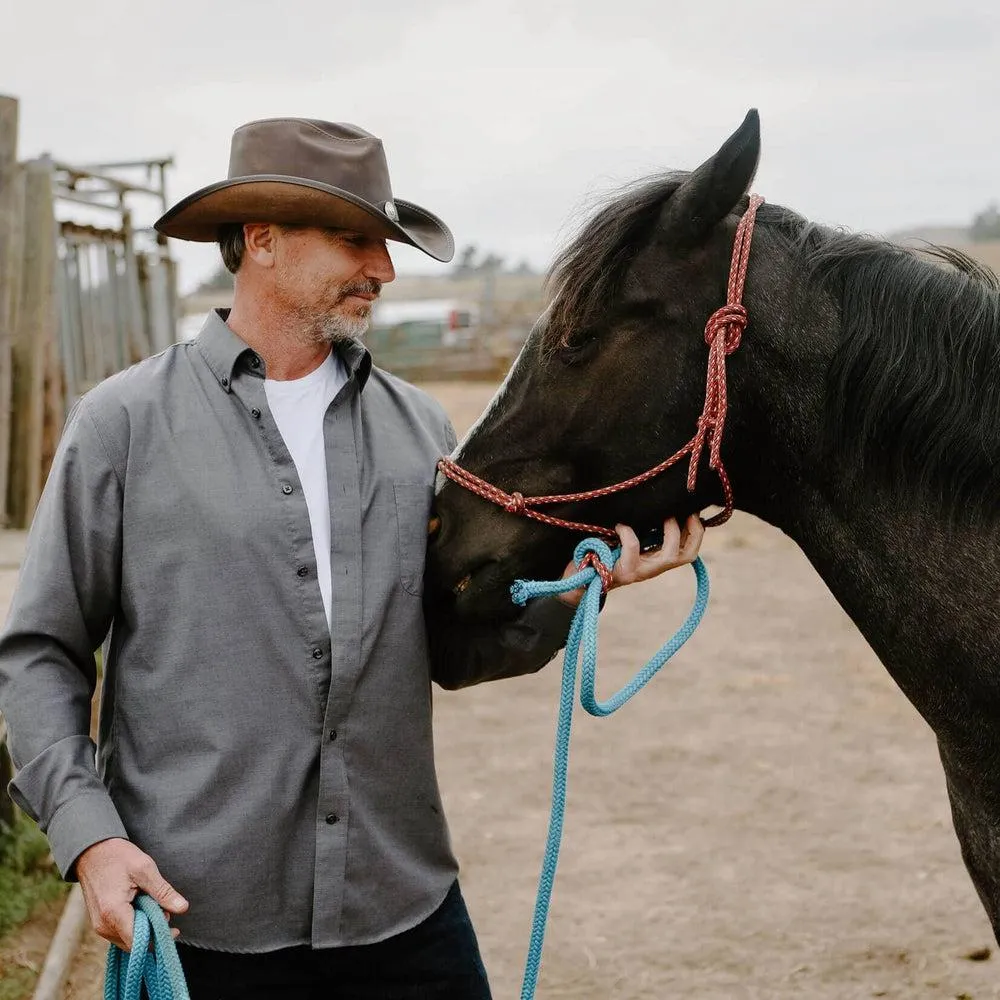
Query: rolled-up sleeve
x=64, y=604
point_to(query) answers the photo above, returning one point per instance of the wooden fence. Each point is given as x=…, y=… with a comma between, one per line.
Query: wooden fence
x=78, y=302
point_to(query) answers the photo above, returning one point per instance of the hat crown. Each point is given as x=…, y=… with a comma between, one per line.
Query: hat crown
x=335, y=153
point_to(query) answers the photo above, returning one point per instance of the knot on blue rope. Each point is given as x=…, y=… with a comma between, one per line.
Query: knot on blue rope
x=522, y=591
x=600, y=548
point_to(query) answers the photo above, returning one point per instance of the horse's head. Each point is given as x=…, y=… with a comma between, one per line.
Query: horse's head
x=610, y=381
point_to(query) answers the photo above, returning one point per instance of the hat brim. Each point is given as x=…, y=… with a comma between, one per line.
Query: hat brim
x=274, y=198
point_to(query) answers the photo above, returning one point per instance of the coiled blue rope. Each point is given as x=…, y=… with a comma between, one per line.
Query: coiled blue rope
x=159, y=968
x=583, y=632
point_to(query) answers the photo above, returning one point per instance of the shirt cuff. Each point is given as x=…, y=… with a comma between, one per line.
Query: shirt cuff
x=80, y=823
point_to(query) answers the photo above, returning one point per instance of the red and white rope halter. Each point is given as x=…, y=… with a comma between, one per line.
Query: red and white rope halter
x=723, y=333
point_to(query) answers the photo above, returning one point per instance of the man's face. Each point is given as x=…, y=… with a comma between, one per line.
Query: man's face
x=330, y=279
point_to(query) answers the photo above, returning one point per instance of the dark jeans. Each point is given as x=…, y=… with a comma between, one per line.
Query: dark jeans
x=436, y=960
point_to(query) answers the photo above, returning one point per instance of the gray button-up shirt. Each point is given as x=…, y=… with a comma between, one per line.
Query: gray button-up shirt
x=279, y=772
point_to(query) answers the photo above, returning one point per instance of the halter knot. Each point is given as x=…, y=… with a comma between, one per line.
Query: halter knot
x=515, y=504
x=730, y=320
x=603, y=571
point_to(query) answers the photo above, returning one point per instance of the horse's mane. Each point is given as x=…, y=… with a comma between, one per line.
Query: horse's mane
x=913, y=392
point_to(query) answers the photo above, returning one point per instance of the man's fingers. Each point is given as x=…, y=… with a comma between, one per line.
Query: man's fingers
x=126, y=929
x=666, y=557
x=149, y=880
x=680, y=546
x=115, y=925
x=694, y=534
x=628, y=560
x=670, y=549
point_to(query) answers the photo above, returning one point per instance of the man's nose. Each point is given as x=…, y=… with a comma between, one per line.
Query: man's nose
x=379, y=264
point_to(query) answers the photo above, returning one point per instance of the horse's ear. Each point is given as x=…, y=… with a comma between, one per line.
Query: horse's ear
x=712, y=191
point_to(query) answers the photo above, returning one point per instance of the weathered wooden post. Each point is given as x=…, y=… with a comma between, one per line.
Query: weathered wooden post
x=9, y=275
x=33, y=331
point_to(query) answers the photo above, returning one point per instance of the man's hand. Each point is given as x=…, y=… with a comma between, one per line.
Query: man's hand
x=680, y=546
x=111, y=873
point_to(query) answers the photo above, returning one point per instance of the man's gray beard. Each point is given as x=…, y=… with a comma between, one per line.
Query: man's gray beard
x=335, y=327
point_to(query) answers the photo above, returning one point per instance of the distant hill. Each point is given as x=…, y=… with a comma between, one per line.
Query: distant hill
x=986, y=251
x=951, y=236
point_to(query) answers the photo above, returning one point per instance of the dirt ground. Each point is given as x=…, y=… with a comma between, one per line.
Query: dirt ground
x=767, y=820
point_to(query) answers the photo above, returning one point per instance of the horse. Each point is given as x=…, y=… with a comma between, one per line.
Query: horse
x=863, y=421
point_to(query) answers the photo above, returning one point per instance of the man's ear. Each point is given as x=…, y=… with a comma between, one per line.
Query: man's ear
x=261, y=239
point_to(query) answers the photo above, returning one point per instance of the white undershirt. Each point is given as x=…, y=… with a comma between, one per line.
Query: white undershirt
x=298, y=407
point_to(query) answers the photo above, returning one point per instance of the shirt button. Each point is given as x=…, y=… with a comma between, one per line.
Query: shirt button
x=317, y=653
x=255, y=413
x=303, y=571
x=332, y=818
x=333, y=735
x=286, y=488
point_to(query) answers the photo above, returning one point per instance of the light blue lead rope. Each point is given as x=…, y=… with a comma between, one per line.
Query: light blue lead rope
x=159, y=968
x=584, y=631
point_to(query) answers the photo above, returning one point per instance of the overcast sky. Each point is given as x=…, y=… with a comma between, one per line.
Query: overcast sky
x=506, y=117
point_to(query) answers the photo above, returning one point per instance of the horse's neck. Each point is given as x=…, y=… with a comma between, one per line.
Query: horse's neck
x=928, y=601
x=926, y=597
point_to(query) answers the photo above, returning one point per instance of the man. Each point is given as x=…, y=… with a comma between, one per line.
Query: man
x=242, y=521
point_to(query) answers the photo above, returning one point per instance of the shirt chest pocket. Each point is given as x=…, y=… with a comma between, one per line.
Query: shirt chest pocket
x=413, y=510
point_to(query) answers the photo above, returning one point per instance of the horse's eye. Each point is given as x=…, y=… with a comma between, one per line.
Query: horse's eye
x=578, y=350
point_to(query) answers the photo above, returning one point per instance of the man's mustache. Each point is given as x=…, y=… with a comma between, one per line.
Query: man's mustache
x=371, y=286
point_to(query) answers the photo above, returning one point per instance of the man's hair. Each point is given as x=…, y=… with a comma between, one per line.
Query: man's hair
x=232, y=245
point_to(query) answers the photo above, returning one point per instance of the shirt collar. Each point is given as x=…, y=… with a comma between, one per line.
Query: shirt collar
x=357, y=360
x=223, y=349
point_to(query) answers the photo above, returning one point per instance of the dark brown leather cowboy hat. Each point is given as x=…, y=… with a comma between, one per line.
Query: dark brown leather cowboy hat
x=300, y=170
